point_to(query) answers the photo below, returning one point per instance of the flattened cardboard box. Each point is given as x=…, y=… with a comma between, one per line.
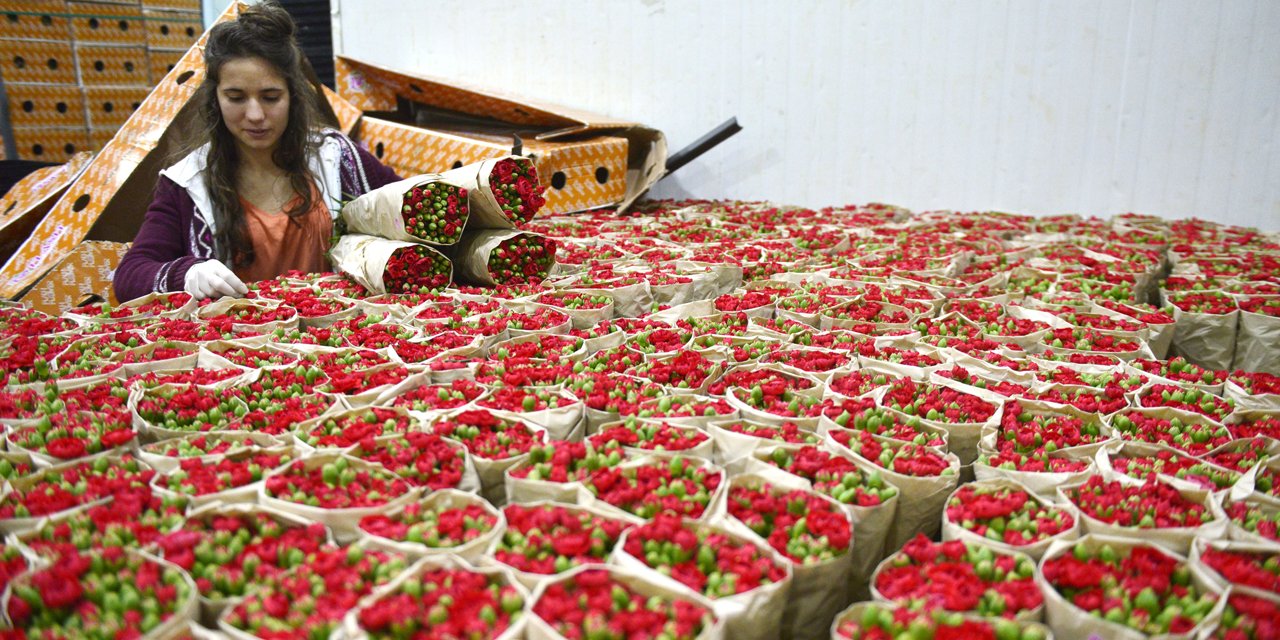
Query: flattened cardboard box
x=37, y=61
x=578, y=175
x=84, y=276
x=162, y=62
x=45, y=105
x=34, y=19
x=642, y=161
x=50, y=144
x=112, y=194
x=31, y=198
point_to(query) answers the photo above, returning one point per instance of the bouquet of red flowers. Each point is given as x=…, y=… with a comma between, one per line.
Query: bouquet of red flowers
x=442, y=598
x=591, y=603
x=959, y=577
x=549, y=538
x=883, y=621
x=382, y=266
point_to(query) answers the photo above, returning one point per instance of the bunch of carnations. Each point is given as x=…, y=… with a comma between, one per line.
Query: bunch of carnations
x=434, y=345
x=108, y=593
x=1144, y=313
x=956, y=576
x=774, y=382
x=1102, y=322
x=856, y=383
x=60, y=488
x=1175, y=464
x=438, y=524
x=1193, y=400
x=1006, y=513
x=444, y=602
x=560, y=461
x=1196, y=437
x=515, y=186
x=679, y=485
x=1067, y=375
x=647, y=435
x=1026, y=431
x=416, y=269
x=898, y=457
x=1106, y=400
x=937, y=403
x=658, y=340
x=310, y=600
x=198, y=477
x=833, y=476
x=250, y=314
x=573, y=300
x=689, y=406
x=1207, y=302
x=1086, y=339
x=1253, y=568
x=612, y=393
x=277, y=416
x=1144, y=589
x=439, y=397
x=684, y=370
x=488, y=436
x=357, y=382
x=810, y=360
x=906, y=357
x=787, y=432
x=519, y=372
x=130, y=521
x=435, y=212
x=612, y=360
x=372, y=331
x=422, y=459
x=545, y=346
x=964, y=376
x=335, y=483
x=1253, y=425
x=744, y=301
x=797, y=524
x=521, y=259
x=1256, y=383
x=524, y=399
x=552, y=538
x=592, y=604
x=190, y=408
x=864, y=415
x=1179, y=370
x=705, y=560
x=350, y=427
x=68, y=436
x=778, y=400
x=1152, y=505
x=1248, y=618
x=877, y=621
x=1266, y=305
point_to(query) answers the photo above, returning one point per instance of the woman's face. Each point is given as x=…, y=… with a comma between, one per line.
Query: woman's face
x=254, y=100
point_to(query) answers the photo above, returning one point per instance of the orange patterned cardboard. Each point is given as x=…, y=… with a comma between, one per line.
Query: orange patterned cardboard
x=37, y=61
x=84, y=276
x=629, y=168
x=180, y=5
x=162, y=62
x=347, y=113
x=104, y=194
x=113, y=65
x=111, y=106
x=44, y=105
x=98, y=138
x=579, y=174
x=32, y=197
x=35, y=19
x=172, y=29
x=50, y=144
x=106, y=23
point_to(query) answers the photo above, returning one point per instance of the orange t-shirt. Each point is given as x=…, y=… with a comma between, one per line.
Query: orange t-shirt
x=281, y=243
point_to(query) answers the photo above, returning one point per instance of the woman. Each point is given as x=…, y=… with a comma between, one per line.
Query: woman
x=259, y=196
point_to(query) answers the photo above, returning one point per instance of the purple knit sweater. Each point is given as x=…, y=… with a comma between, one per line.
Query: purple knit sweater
x=173, y=237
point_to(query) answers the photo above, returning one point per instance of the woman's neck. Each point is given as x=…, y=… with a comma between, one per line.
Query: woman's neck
x=259, y=161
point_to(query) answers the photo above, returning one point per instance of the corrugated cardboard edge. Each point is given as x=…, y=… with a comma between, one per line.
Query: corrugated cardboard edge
x=85, y=273
x=36, y=193
x=647, y=159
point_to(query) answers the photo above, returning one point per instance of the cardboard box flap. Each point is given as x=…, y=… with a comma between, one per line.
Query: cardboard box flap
x=374, y=88
x=32, y=197
x=83, y=276
x=346, y=113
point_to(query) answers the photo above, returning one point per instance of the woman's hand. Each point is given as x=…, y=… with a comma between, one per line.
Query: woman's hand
x=212, y=279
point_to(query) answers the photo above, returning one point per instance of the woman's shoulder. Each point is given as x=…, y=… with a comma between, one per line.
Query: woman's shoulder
x=184, y=171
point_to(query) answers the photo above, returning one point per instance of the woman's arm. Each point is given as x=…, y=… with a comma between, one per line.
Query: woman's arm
x=159, y=258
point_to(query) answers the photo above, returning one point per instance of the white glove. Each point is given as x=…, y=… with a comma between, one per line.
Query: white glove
x=212, y=279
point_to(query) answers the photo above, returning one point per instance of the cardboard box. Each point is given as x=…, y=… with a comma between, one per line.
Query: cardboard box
x=113, y=65
x=31, y=198
x=578, y=174
x=601, y=160
x=98, y=138
x=50, y=144
x=180, y=5
x=172, y=29
x=34, y=19
x=106, y=23
x=162, y=61
x=45, y=105
x=84, y=276
x=110, y=107
x=37, y=61
x=346, y=113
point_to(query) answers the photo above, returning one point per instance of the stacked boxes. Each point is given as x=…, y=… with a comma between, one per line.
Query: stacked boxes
x=75, y=70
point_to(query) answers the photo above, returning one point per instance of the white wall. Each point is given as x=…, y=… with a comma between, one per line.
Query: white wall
x=1091, y=106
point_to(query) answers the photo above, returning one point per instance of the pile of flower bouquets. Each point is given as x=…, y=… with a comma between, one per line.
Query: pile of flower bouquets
x=704, y=420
